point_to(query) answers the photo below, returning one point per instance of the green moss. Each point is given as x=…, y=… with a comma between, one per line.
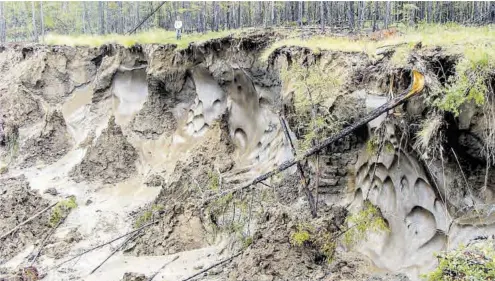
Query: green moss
x=213, y=181
x=299, y=237
x=247, y=241
x=389, y=148
x=372, y=145
x=61, y=210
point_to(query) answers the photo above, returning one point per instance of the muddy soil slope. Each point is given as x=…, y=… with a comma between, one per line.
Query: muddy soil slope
x=147, y=136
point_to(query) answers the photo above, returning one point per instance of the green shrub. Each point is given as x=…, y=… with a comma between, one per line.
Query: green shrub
x=367, y=219
x=320, y=239
x=474, y=262
x=327, y=245
x=470, y=82
x=144, y=218
x=314, y=89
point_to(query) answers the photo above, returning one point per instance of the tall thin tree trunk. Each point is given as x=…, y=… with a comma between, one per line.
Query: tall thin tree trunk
x=204, y=16
x=250, y=15
x=136, y=13
x=322, y=15
x=272, y=18
x=438, y=14
x=350, y=13
x=361, y=11
x=101, y=15
x=239, y=20
x=474, y=15
x=35, y=30
x=228, y=16
x=300, y=13
x=84, y=17
x=213, y=15
x=109, y=23
x=430, y=11
x=375, y=16
x=120, y=18
x=422, y=11
x=492, y=11
x=3, y=24
x=451, y=11
x=42, y=22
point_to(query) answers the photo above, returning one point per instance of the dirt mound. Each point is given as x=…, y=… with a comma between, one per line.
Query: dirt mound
x=155, y=117
x=273, y=256
x=110, y=160
x=52, y=143
x=17, y=204
x=181, y=227
x=19, y=106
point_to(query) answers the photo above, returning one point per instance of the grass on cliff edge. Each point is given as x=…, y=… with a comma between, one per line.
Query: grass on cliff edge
x=452, y=37
x=159, y=36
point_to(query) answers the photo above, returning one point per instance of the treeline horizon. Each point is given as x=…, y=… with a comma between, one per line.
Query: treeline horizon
x=32, y=20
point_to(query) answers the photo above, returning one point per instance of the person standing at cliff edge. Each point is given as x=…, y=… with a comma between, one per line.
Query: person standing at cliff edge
x=178, y=27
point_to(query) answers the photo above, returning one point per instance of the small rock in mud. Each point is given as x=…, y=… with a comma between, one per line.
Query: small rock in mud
x=155, y=180
x=52, y=191
x=131, y=276
x=389, y=277
x=111, y=159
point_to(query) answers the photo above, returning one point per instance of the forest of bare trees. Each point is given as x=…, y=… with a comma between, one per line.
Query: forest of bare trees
x=31, y=20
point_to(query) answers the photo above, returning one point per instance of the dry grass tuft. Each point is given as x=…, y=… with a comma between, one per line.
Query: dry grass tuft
x=429, y=138
x=158, y=36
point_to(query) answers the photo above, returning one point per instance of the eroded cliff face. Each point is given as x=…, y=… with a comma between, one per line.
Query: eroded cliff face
x=150, y=133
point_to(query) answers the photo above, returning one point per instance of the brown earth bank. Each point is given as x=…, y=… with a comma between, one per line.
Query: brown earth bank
x=149, y=136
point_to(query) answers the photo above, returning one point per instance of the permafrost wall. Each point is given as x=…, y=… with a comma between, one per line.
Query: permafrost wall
x=123, y=129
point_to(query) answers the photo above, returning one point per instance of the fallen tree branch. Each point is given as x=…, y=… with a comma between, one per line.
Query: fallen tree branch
x=42, y=245
x=215, y=265
x=146, y=18
x=416, y=87
x=130, y=238
x=161, y=268
x=104, y=244
x=304, y=182
x=28, y=220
